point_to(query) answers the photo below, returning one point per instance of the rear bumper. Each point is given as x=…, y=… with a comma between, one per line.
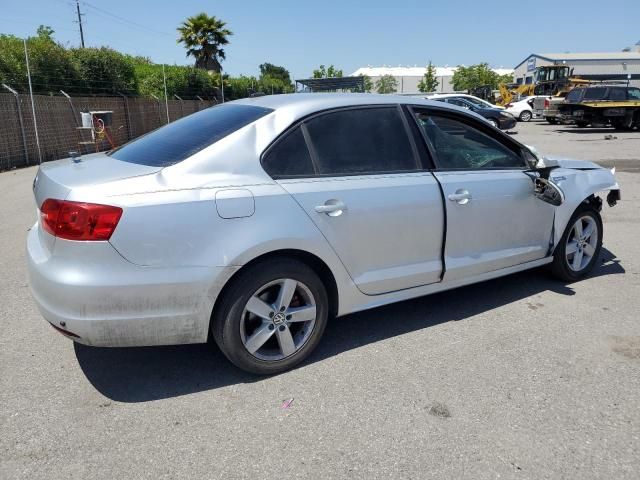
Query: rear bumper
x=88, y=290
x=506, y=123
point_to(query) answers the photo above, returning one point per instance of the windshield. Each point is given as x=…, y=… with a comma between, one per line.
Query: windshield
x=183, y=138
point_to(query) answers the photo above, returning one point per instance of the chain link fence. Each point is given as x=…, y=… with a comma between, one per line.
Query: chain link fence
x=58, y=119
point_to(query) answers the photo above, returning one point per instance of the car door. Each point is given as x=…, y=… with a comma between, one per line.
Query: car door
x=494, y=220
x=365, y=189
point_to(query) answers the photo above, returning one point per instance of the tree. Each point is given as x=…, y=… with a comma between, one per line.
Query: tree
x=274, y=71
x=368, y=84
x=45, y=32
x=203, y=37
x=103, y=70
x=429, y=82
x=275, y=79
x=51, y=66
x=330, y=72
x=468, y=78
x=387, y=84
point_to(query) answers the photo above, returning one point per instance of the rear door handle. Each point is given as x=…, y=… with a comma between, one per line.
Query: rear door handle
x=461, y=197
x=332, y=207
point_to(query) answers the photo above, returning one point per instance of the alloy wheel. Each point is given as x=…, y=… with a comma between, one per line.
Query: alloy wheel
x=582, y=242
x=278, y=319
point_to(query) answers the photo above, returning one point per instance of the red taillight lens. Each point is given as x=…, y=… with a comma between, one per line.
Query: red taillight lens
x=79, y=221
x=546, y=103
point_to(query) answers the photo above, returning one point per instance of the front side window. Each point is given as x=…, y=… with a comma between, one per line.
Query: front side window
x=634, y=93
x=183, y=138
x=459, y=145
x=617, y=94
x=360, y=141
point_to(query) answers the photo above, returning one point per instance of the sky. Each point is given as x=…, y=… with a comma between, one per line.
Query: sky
x=348, y=33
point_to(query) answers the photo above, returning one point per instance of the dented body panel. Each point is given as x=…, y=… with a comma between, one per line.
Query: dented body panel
x=578, y=180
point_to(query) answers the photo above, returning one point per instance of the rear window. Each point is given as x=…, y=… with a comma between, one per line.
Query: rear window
x=179, y=140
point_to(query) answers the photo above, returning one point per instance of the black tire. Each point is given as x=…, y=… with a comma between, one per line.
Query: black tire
x=525, y=116
x=580, y=124
x=551, y=120
x=227, y=318
x=560, y=265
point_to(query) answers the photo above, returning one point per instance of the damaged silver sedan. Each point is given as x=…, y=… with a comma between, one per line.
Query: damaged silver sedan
x=253, y=222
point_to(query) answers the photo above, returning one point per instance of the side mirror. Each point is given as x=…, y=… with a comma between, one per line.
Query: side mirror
x=544, y=188
x=549, y=192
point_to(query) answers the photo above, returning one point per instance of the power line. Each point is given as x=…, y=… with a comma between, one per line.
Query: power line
x=130, y=23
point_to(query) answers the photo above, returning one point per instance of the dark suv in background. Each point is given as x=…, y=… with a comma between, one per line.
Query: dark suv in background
x=602, y=105
x=495, y=116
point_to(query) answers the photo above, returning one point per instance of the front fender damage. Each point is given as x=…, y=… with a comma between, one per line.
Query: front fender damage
x=580, y=183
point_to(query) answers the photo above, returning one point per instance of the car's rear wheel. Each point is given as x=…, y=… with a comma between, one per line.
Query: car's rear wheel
x=271, y=317
x=525, y=116
x=579, y=248
x=551, y=120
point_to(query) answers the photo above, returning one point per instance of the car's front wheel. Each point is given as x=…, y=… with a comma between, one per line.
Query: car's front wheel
x=271, y=317
x=579, y=248
x=525, y=116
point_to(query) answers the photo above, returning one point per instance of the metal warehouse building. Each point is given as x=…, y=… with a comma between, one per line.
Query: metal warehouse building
x=623, y=66
x=409, y=77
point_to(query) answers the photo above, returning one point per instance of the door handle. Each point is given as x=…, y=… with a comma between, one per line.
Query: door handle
x=462, y=197
x=332, y=207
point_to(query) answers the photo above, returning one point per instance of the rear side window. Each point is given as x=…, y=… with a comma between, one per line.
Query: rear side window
x=179, y=140
x=359, y=141
x=289, y=157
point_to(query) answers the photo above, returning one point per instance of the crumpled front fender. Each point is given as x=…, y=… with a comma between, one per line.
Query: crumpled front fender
x=578, y=185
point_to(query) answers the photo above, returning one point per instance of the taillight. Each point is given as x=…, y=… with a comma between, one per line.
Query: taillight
x=79, y=221
x=546, y=103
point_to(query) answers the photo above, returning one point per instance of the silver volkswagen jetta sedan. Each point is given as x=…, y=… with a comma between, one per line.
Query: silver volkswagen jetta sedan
x=256, y=220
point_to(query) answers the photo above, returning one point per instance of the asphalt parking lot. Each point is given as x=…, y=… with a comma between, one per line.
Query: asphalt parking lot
x=521, y=377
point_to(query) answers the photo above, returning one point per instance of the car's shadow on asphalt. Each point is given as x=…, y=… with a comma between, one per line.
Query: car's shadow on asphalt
x=153, y=373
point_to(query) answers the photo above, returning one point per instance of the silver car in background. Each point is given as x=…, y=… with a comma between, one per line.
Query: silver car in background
x=255, y=221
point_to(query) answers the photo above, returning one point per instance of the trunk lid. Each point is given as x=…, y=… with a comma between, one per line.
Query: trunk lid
x=56, y=179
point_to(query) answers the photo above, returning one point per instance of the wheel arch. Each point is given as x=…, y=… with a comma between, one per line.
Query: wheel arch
x=314, y=262
x=580, y=188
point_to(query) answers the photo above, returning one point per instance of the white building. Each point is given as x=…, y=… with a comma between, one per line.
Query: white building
x=409, y=77
x=624, y=65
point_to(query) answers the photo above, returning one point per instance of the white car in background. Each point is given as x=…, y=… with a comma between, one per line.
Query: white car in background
x=522, y=109
x=470, y=98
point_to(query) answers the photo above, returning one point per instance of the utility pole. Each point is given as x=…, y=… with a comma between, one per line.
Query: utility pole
x=80, y=22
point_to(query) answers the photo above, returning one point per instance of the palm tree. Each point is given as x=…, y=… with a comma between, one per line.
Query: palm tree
x=203, y=36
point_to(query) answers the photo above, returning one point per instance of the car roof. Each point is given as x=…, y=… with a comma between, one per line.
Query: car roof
x=293, y=106
x=322, y=101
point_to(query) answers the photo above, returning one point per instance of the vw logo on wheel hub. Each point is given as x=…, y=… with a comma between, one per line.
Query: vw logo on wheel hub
x=278, y=318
